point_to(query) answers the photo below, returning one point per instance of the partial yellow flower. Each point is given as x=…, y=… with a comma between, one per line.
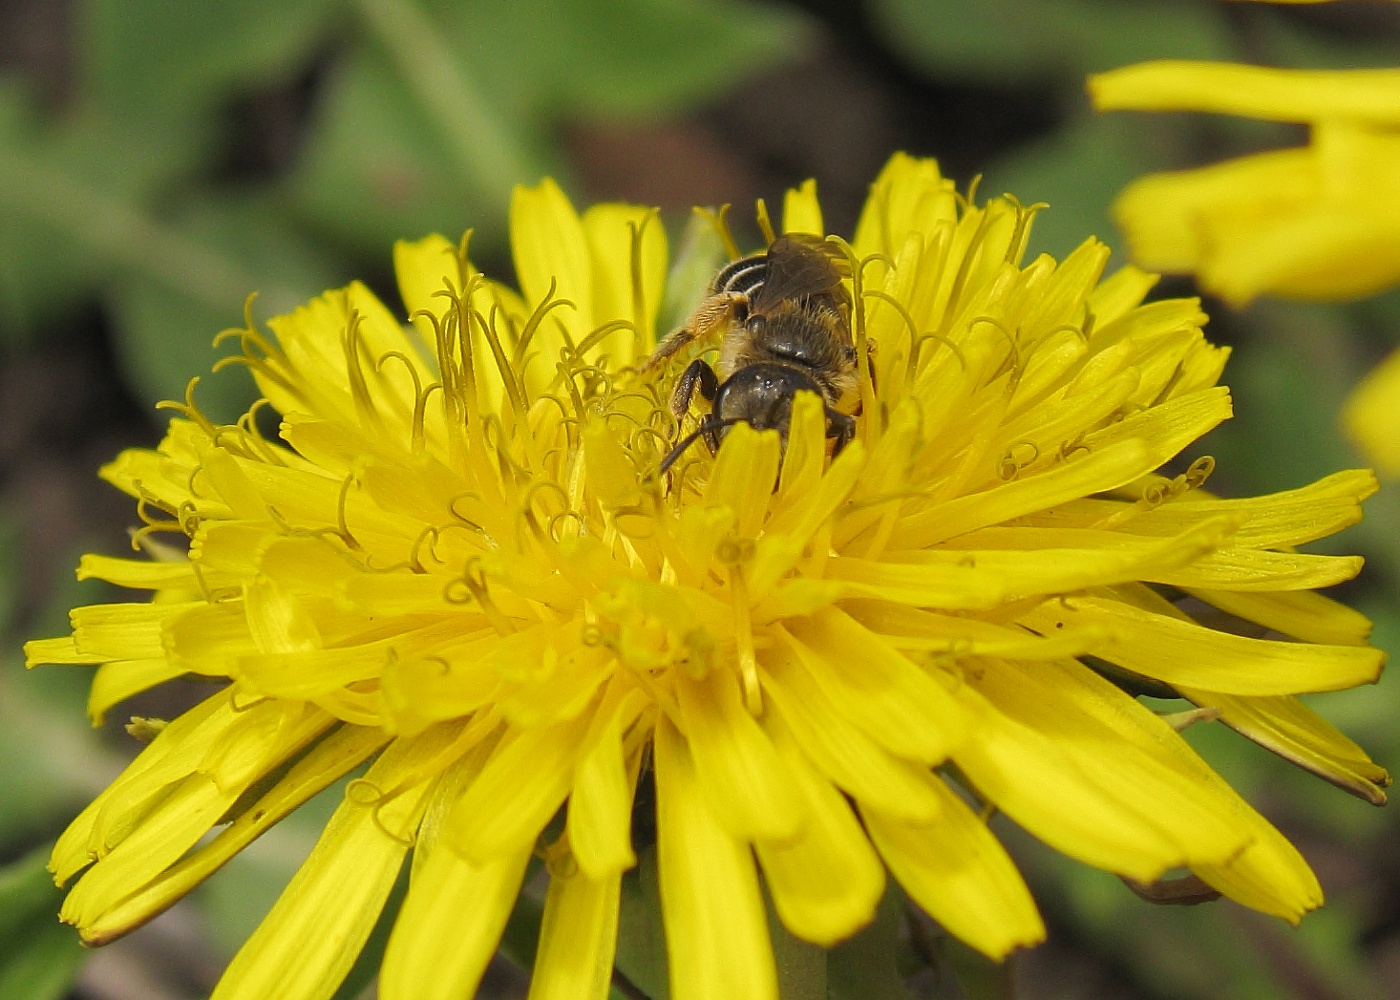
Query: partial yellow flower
x=1316, y=222
x=460, y=566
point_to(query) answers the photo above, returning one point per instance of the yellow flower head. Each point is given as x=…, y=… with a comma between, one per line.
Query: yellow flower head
x=461, y=566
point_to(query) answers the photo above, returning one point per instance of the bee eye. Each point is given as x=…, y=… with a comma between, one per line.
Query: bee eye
x=755, y=323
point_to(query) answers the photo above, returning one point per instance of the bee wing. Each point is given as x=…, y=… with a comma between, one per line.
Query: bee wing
x=798, y=266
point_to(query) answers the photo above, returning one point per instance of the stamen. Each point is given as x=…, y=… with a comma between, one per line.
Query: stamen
x=1181, y=720
x=1017, y=365
x=248, y=423
x=1199, y=471
x=466, y=521
x=1021, y=234
x=198, y=572
x=720, y=220
x=765, y=224
x=940, y=339
x=350, y=345
x=474, y=579
x=350, y=540
x=1011, y=464
x=634, y=260
x=514, y=385
x=416, y=439
x=189, y=410
x=547, y=305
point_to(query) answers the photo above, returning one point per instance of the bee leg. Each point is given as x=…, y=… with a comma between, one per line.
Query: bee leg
x=697, y=375
x=841, y=428
x=709, y=430
x=712, y=314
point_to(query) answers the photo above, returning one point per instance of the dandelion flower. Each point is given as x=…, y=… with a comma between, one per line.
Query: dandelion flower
x=460, y=567
x=1315, y=222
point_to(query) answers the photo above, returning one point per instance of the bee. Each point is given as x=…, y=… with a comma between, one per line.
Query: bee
x=784, y=318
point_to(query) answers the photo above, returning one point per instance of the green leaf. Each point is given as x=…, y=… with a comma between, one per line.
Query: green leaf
x=428, y=128
x=1017, y=40
x=166, y=324
x=1078, y=171
x=67, y=193
x=375, y=168
x=1292, y=38
x=39, y=957
x=633, y=57
x=144, y=59
x=1292, y=351
x=51, y=759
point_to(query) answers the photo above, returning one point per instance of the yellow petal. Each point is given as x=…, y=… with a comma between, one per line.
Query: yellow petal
x=578, y=937
x=1038, y=757
x=1318, y=252
x=1269, y=875
x=329, y=760
x=118, y=681
x=1169, y=427
x=827, y=882
x=64, y=650
x=1119, y=293
x=802, y=212
x=1302, y=614
x=899, y=705
x=1095, y=472
x=1171, y=219
x=1181, y=652
x=1288, y=95
x=944, y=584
x=170, y=757
x=125, y=631
x=1298, y=734
x=839, y=748
x=450, y=924
x=600, y=805
x=311, y=937
x=910, y=195
x=716, y=930
x=746, y=785
x=1372, y=416
x=139, y=574
x=957, y=871
x=164, y=834
x=551, y=248
x=520, y=788
x=743, y=476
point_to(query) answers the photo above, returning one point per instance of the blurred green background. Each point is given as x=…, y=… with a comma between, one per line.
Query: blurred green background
x=160, y=159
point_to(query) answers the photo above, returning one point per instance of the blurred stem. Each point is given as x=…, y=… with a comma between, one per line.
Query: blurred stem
x=116, y=232
x=484, y=146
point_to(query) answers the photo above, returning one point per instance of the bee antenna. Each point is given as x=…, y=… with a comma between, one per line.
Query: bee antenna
x=690, y=439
